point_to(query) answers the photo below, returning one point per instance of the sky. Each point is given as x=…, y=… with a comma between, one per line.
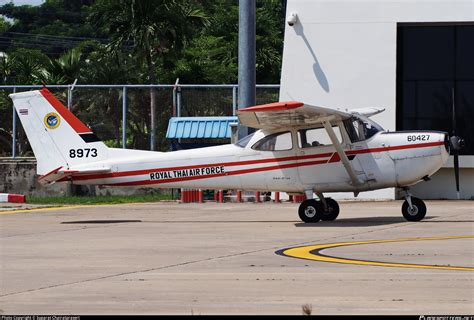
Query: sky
x=22, y=2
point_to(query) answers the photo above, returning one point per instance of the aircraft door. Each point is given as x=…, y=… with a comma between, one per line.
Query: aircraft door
x=367, y=148
x=318, y=160
x=273, y=167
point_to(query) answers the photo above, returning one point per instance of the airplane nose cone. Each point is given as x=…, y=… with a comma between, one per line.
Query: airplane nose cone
x=428, y=152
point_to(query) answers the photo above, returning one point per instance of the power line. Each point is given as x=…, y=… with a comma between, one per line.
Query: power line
x=40, y=35
x=45, y=41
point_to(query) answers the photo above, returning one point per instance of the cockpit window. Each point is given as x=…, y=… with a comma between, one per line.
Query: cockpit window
x=316, y=137
x=244, y=141
x=275, y=142
x=361, y=128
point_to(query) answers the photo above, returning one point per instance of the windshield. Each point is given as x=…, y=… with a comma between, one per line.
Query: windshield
x=244, y=141
x=361, y=128
x=370, y=127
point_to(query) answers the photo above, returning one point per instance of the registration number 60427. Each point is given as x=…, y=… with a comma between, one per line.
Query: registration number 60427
x=418, y=137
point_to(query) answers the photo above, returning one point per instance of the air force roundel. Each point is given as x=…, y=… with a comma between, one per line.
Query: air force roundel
x=52, y=120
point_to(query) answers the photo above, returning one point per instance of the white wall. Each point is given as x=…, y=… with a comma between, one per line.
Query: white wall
x=443, y=185
x=342, y=53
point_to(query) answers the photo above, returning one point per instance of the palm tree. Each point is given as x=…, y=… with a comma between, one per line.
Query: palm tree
x=154, y=30
x=63, y=70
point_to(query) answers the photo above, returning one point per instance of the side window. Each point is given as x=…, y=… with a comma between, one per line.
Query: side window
x=275, y=142
x=308, y=138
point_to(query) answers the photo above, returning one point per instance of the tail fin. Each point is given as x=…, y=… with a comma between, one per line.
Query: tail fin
x=57, y=137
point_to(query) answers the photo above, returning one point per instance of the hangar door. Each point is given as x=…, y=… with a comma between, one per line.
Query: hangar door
x=432, y=61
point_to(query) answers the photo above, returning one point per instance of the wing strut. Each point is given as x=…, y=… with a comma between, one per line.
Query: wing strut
x=341, y=153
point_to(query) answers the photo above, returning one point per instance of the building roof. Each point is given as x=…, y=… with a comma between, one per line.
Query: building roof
x=200, y=127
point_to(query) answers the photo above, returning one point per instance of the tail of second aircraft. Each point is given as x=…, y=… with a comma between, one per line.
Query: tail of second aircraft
x=57, y=137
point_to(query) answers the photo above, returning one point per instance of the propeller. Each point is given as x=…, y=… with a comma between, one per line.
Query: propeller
x=456, y=144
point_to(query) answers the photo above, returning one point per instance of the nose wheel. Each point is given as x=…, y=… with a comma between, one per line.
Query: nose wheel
x=413, y=209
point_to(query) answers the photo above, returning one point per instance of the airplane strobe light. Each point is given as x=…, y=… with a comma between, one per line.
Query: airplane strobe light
x=298, y=149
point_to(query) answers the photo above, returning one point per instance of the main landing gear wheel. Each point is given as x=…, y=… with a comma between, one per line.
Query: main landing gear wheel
x=417, y=211
x=310, y=211
x=332, y=210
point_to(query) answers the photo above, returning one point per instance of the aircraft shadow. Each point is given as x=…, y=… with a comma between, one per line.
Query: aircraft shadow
x=99, y=221
x=355, y=222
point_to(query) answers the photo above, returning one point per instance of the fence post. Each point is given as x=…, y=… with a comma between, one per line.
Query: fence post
x=124, y=117
x=69, y=97
x=14, y=130
x=234, y=100
x=178, y=101
x=174, y=102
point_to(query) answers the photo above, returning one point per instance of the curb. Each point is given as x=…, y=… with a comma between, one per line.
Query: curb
x=12, y=198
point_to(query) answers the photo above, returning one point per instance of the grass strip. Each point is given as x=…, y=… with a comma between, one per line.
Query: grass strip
x=108, y=199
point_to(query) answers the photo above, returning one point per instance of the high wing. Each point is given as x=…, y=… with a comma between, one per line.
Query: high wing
x=297, y=114
x=294, y=114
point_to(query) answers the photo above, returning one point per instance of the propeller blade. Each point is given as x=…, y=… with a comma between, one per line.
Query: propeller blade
x=456, y=172
x=456, y=144
x=453, y=113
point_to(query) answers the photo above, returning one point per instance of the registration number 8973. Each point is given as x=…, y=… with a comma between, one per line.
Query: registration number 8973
x=83, y=153
x=418, y=137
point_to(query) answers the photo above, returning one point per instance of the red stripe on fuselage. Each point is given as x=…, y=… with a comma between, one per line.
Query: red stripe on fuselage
x=394, y=148
x=226, y=164
x=333, y=156
x=74, y=122
x=230, y=173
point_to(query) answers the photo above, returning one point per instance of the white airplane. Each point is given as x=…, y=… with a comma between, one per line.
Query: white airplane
x=298, y=149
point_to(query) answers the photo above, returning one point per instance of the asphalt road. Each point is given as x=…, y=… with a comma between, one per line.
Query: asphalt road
x=172, y=258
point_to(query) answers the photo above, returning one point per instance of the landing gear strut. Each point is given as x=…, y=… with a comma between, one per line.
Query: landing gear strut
x=331, y=210
x=312, y=210
x=413, y=209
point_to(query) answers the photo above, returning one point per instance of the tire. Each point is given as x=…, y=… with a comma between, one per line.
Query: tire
x=332, y=212
x=310, y=211
x=419, y=210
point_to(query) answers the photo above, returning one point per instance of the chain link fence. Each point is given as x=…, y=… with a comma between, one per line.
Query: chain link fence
x=120, y=114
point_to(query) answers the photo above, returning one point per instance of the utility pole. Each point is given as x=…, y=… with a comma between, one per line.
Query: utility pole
x=246, y=59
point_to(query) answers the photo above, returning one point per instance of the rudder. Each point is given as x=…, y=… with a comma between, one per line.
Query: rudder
x=57, y=137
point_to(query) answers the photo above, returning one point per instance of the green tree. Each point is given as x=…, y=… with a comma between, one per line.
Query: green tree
x=27, y=66
x=53, y=27
x=155, y=31
x=212, y=56
x=63, y=70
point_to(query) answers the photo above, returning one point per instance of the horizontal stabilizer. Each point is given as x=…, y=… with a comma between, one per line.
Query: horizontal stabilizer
x=60, y=174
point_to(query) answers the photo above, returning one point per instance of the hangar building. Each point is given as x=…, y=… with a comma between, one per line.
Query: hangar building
x=407, y=56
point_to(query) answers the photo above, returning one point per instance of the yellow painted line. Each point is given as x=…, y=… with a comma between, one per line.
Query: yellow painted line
x=41, y=209
x=66, y=208
x=314, y=253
